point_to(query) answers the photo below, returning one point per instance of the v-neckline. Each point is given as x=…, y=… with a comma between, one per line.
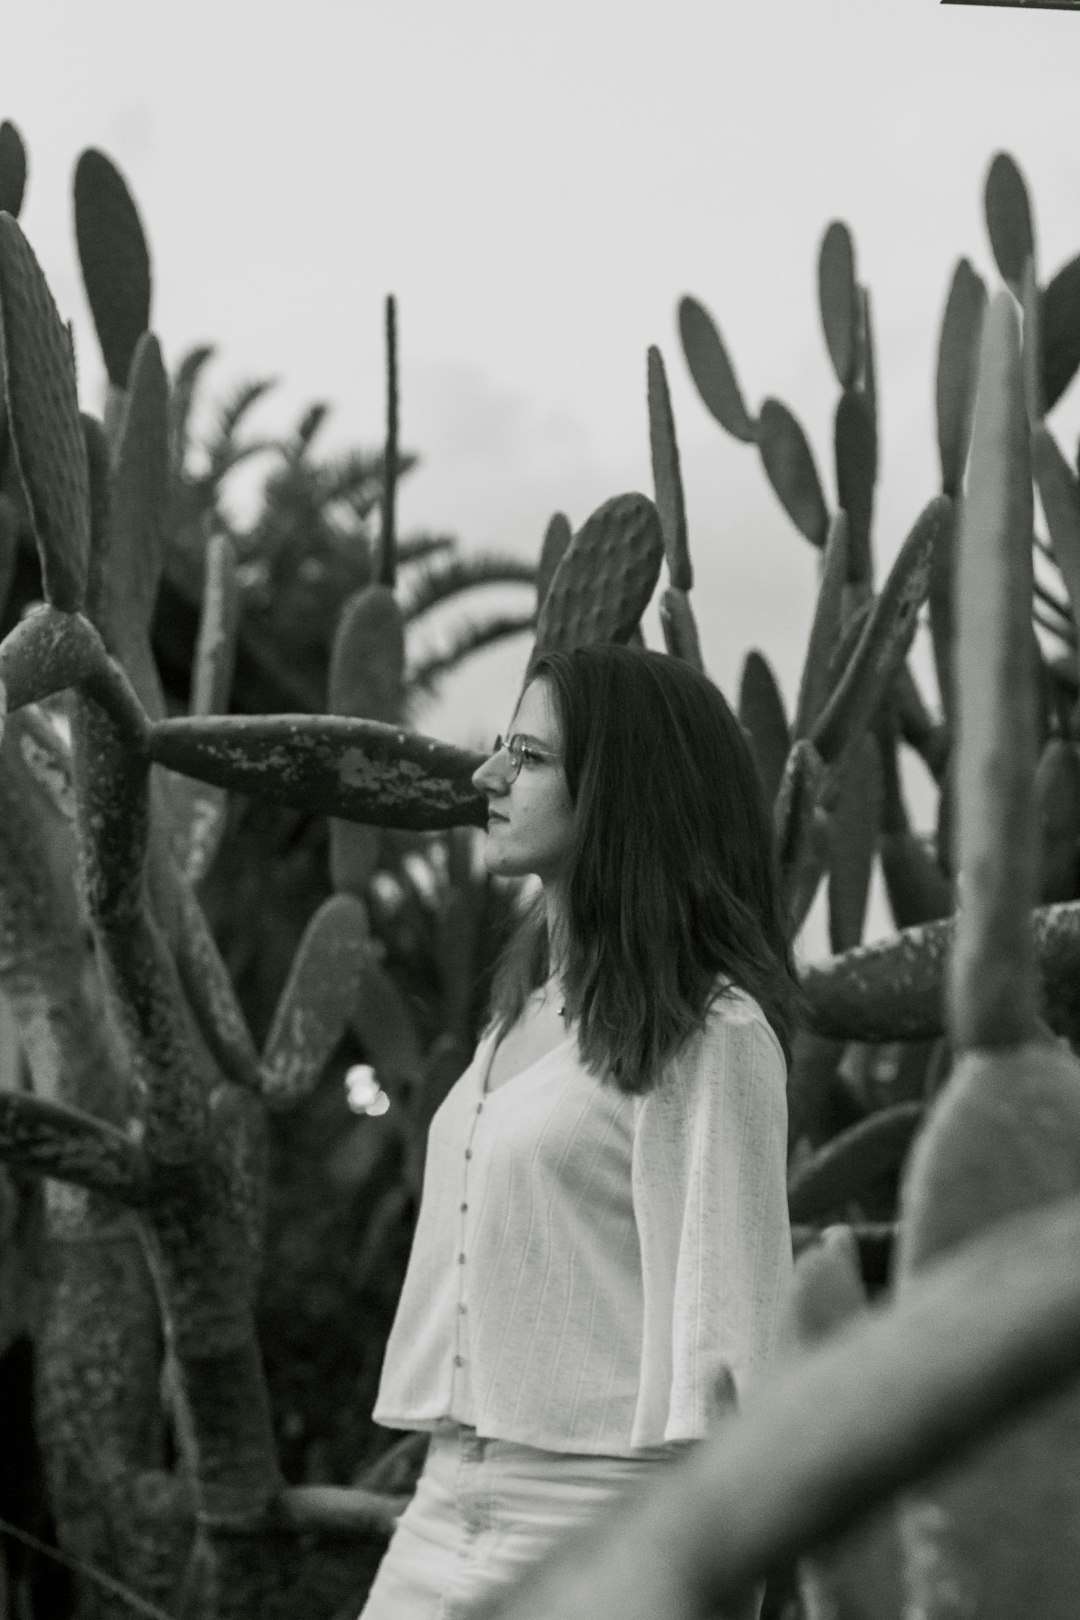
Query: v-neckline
x=485, y=1091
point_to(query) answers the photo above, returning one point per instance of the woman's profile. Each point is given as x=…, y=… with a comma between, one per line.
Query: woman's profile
x=603, y=1225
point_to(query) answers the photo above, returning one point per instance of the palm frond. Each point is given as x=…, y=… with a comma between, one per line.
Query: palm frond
x=354, y=476
x=424, y=675
x=420, y=546
x=182, y=398
x=437, y=582
x=307, y=427
x=235, y=408
x=224, y=458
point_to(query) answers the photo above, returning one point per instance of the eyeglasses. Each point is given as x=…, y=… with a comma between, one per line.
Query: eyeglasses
x=520, y=751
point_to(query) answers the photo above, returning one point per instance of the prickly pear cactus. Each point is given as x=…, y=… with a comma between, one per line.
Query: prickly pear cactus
x=605, y=578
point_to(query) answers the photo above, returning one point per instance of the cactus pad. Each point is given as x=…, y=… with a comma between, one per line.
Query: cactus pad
x=12, y=170
x=135, y=552
x=761, y=714
x=357, y=769
x=315, y=1006
x=43, y=416
x=957, y=367
x=855, y=453
x=992, y=984
x=667, y=477
x=815, y=682
x=1008, y=220
x=712, y=371
x=853, y=832
x=680, y=628
x=605, y=579
x=557, y=536
x=115, y=261
x=838, y=300
x=852, y=1160
x=886, y=636
x=789, y=465
x=1060, y=331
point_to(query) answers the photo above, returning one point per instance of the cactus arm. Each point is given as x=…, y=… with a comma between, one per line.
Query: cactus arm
x=9, y=534
x=204, y=976
x=667, y=476
x=866, y=386
x=886, y=637
x=1060, y=498
x=917, y=889
x=890, y=990
x=1031, y=367
x=853, y=832
x=761, y=714
x=851, y=1160
x=829, y=1438
x=1057, y=804
x=43, y=956
x=198, y=810
x=928, y=737
x=858, y=1574
x=679, y=628
x=993, y=982
x=893, y=989
x=49, y=651
x=46, y=1138
x=824, y=629
x=112, y=813
x=801, y=830
x=712, y=371
x=315, y=1006
x=43, y=419
x=360, y=770
x=197, y=1206
x=855, y=455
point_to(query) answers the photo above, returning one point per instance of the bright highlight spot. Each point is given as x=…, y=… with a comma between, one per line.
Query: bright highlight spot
x=364, y=1093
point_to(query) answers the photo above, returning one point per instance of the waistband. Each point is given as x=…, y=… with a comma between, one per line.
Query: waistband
x=451, y=1433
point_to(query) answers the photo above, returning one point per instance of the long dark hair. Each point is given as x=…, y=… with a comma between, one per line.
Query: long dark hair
x=671, y=879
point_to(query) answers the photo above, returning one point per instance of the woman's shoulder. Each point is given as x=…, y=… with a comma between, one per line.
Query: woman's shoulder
x=729, y=1004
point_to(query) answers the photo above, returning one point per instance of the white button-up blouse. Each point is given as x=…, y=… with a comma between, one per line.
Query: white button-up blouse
x=585, y=1259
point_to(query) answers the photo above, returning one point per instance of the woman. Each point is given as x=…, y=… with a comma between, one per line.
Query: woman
x=603, y=1226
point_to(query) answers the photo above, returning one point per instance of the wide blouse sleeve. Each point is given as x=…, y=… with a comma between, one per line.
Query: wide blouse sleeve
x=709, y=1185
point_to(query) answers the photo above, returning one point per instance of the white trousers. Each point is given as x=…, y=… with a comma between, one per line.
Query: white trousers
x=483, y=1512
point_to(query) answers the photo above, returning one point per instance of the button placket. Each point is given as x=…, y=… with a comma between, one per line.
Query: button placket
x=459, y=1356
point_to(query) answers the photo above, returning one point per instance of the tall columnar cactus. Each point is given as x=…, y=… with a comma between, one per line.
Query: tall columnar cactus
x=1005, y=1132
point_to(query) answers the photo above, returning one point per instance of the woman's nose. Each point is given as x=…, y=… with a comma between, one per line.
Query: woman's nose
x=484, y=777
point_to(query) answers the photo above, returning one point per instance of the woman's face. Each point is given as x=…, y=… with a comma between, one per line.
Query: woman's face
x=531, y=818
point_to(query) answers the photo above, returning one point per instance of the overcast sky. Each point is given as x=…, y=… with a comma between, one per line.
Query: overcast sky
x=538, y=185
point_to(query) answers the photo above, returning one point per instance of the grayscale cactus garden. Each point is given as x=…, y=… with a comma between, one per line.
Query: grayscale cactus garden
x=235, y=871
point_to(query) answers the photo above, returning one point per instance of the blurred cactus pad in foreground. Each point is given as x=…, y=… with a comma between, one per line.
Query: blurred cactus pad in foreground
x=245, y=933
